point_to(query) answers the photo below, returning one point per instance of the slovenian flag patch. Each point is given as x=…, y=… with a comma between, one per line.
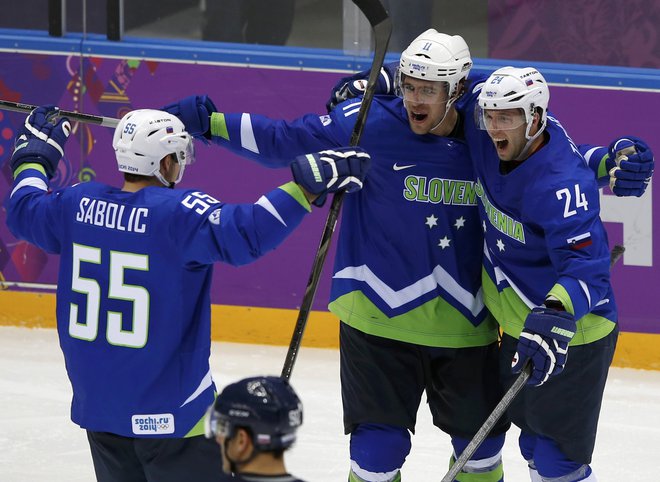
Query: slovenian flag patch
x=580, y=241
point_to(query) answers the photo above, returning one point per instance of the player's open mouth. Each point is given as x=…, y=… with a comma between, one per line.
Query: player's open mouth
x=501, y=143
x=417, y=117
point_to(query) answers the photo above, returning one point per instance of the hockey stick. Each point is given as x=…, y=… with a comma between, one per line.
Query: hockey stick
x=503, y=405
x=73, y=116
x=382, y=28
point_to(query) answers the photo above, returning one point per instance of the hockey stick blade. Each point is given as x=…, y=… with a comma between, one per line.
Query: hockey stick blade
x=488, y=425
x=73, y=116
x=382, y=29
x=616, y=253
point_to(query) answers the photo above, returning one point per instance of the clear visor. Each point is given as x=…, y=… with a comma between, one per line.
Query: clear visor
x=417, y=91
x=215, y=424
x=185, y=153
x=499, y=120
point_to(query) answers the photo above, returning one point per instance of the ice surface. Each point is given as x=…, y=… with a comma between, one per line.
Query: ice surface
x=39, y=442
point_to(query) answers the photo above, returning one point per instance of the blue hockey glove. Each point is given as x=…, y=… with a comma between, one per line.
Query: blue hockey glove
x=331, y=171
x=355, y=85
x=195, y=113
x=630, y=166
x=41, y=139
x=544, y=341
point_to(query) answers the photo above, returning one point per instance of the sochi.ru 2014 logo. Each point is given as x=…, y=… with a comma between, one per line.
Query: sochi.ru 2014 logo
x=160, y=423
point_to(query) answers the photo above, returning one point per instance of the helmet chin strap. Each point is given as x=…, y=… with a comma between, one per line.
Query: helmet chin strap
x=530, y=140
x=164, y=181
x=450, y=102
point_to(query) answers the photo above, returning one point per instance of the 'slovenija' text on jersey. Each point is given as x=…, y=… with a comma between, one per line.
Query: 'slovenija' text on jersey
x=437, y=190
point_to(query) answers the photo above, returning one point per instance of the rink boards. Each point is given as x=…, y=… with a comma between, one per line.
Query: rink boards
x=258, y=303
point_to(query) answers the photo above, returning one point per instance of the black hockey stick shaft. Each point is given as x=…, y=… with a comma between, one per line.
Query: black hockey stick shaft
x=382, y=28
x=73, y=116
x=503, y=405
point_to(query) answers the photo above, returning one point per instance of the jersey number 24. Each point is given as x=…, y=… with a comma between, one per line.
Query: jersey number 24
x=580, y=201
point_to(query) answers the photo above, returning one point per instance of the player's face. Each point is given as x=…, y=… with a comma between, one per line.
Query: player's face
x=425, y=102
x=238, y=448
x=225, y=462
x=506, y=128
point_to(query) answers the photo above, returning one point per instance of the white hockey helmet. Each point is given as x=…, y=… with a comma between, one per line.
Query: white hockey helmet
x=517, y=88
x=145, y=136
x=436, y=57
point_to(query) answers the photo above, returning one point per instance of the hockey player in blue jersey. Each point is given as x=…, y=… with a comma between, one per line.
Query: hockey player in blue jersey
x=547, y=273
x=254, y=421
x=133, y=302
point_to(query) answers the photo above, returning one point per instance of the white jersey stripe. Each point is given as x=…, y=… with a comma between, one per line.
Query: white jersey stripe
x=247, y=134
x=585, y=289
x=386, y=78
x=268, y=206
x=30, y=181
x=353, y=111
x=206, y=382
x=394, y=299
x=352, y=106
x=587, y=156
x=501, y=276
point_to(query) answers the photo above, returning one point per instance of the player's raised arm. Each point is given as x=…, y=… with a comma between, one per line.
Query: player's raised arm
x=240, y=233
x=270, y=142
x=39, y=146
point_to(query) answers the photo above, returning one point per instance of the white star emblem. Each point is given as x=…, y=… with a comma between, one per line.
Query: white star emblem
x=431, y=221
x=500, y=245
x=460, y=222
x=483, y=223
x=444, y=242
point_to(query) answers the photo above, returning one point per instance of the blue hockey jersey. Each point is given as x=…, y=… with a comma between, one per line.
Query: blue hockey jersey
x=543, y=233
x=133, y=303
x=408, y=261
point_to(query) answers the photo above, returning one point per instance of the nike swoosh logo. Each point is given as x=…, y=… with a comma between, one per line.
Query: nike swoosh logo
x=396, y=167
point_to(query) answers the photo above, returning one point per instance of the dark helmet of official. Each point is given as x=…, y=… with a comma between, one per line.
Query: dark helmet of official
x=267, y=406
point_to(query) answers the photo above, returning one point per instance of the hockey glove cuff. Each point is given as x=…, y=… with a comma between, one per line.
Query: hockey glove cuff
x=544, y=342
x=330, y=171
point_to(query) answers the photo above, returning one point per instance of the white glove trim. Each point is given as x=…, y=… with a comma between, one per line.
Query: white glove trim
x=66, y=127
